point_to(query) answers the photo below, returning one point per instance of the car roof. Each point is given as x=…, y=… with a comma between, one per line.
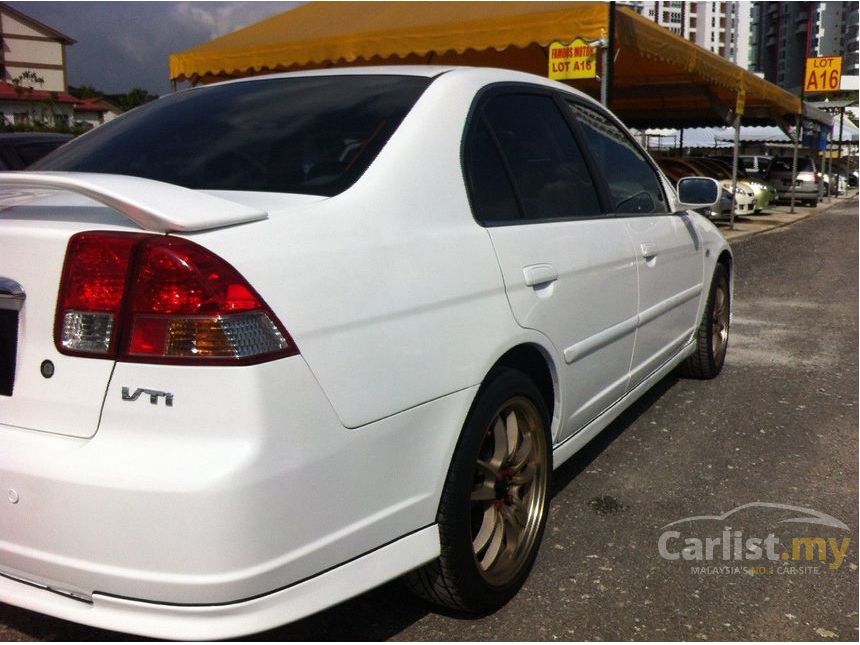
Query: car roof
x=492, y=75
x=427, y=71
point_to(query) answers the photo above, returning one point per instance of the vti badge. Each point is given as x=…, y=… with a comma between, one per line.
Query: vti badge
x=154, y=395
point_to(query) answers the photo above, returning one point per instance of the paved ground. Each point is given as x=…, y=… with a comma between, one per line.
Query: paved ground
x=777, y=215
x=780, y=425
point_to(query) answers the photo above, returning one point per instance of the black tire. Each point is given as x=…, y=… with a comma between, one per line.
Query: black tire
x=712, y=337
x=467, y=576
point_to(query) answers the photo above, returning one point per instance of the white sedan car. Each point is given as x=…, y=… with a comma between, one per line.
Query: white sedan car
x=270, y=343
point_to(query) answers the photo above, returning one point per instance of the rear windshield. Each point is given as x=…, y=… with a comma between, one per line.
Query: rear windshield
x=312, y=135
x=783, y=164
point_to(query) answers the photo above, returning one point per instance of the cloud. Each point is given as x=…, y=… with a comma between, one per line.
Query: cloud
x=121, y=45
x=224, y=17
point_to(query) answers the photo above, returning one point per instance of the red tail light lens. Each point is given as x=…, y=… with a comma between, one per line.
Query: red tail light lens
x=91, y=292
x=149, y=298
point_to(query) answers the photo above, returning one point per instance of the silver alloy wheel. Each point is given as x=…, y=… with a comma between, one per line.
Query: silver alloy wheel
x=720, y=321
x=509, y=490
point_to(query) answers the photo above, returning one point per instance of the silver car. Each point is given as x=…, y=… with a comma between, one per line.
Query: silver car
x=806, y=187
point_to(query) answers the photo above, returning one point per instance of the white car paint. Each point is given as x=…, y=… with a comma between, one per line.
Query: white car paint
x=217, y=517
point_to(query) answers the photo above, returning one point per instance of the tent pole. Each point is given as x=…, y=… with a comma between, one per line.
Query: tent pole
x=797, y=137
x=607, y=62
x=737, y=125
x=604, y=80
x=839, y=167
x=829, y=158
x=821, y=165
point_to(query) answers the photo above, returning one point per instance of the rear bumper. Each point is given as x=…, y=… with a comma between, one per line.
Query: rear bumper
x=803, y=190
x=248, y=483
x=224, y=621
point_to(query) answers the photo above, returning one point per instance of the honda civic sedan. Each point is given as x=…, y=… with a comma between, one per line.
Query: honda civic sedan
x=270, y=343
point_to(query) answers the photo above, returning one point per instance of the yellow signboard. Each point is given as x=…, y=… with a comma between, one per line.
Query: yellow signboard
x=823, y=74
x=576, y=60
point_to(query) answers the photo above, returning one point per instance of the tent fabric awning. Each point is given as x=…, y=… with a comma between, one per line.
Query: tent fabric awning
x=652, y=56
x=329, y=32
x=658, y=78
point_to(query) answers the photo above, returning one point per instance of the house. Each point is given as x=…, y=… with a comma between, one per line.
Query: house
x=95, y=111
x=34, y=79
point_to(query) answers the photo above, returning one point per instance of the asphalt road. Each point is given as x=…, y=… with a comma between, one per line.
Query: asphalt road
x=779, y=426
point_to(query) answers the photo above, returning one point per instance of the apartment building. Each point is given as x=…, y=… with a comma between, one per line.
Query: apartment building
x=784, y=34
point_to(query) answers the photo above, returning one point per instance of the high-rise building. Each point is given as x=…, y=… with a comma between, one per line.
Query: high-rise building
x=836, y=33
x=784, y=34
x=719, y=27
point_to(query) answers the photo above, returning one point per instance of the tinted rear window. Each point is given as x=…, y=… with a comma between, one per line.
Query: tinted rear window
x=312, y=135
x=784, y=165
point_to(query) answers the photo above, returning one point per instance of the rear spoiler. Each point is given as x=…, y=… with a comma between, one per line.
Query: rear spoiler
x=153, y=205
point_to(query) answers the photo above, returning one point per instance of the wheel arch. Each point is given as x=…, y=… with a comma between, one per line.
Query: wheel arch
x=536, y=361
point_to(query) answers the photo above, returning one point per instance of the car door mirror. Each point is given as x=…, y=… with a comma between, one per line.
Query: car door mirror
x=698, y=192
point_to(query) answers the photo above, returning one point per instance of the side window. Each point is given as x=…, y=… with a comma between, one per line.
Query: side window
x=633, y=184
x=492, y=195
x=548, y=170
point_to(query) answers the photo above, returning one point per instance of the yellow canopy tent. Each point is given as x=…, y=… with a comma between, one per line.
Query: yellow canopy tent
x=658, y=79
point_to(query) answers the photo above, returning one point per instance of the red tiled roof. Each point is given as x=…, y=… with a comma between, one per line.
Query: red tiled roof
x=95, y=104
x=9, y=92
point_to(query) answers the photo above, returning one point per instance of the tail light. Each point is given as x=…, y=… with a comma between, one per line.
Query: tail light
x=148, y=298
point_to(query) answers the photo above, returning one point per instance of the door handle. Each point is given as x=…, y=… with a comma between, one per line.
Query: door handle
x=649, y=250
x=537, y=274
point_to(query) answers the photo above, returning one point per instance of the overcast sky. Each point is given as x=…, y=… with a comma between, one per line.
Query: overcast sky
x=121, y=45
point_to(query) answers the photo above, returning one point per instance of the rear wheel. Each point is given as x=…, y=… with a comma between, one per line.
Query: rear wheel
x=494, y=504
x=712, y=337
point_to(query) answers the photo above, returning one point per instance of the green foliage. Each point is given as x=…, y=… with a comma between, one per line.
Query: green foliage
x=128, y=101
x=84, y=92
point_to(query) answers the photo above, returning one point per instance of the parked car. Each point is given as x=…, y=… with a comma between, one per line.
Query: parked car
x=754, y=165
x=806, y=185
x=20, y=149
x=676, y=169
x=764, y=191
x=290, y=337
x=840, y=187
x=745, y=198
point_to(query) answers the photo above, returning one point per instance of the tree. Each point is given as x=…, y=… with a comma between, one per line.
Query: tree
x=84, y=92
x=132, y=99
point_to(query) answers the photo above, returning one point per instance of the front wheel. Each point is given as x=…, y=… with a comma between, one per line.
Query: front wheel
x=494, y=503
x=712, y=336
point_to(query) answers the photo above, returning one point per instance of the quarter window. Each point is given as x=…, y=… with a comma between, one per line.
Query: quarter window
x=547, y=168
x=633, y=184
x=491, y=192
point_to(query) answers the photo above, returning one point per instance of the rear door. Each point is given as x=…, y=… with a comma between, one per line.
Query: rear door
x=569, y=271
x=669, y=255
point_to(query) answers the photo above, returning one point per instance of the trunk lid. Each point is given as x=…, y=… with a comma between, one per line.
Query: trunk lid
x=46, y=390
x=41, y=388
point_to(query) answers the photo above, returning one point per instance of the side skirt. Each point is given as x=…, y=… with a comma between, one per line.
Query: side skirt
x=573, y=444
